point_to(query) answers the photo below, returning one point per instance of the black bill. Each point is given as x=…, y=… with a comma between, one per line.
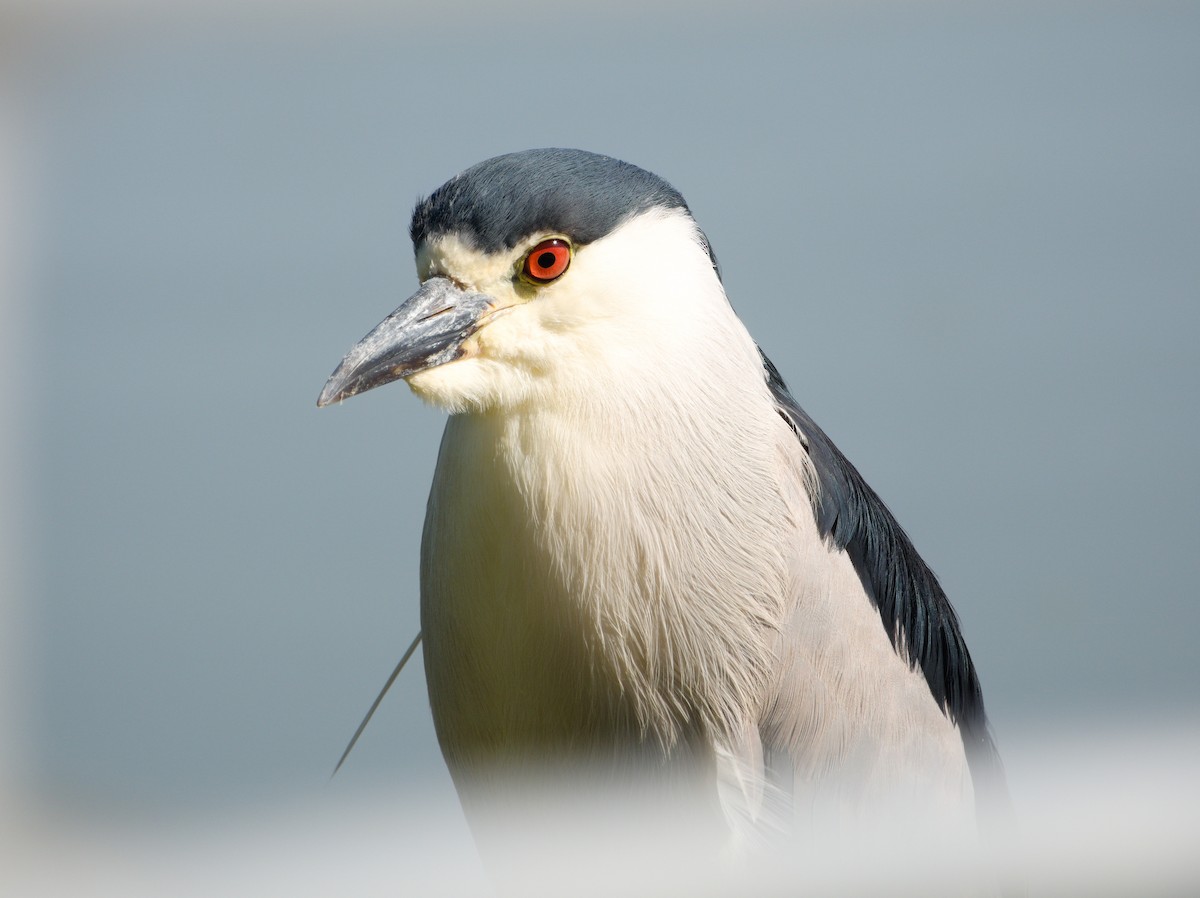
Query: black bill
x=426, y=331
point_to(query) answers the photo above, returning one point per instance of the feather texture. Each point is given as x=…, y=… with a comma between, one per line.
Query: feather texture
x=639, y=552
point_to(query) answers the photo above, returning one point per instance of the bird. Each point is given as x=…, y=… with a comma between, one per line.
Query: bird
x=639, y=551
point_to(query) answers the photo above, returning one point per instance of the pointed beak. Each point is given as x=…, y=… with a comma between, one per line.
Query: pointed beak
x=427, y=330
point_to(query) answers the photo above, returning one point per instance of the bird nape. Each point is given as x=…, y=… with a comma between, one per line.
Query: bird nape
x=644, y=569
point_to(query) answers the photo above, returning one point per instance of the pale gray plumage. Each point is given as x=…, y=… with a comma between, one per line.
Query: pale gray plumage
x=638, y=549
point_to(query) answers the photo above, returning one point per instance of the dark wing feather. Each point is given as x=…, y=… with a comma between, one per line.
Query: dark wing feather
x=914, y=610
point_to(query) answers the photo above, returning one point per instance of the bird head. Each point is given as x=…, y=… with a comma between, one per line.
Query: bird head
x=539, y=270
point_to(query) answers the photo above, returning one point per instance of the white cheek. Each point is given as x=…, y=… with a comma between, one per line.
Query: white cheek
x=449, y=387
x=472, y=384
x=518, y=337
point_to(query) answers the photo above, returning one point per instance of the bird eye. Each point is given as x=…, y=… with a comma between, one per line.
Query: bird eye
x=547, y=261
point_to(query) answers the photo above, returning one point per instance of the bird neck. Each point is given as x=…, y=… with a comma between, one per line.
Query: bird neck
x=641, y=528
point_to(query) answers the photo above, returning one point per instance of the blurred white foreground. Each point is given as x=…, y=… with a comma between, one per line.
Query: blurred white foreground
x=1101, y=813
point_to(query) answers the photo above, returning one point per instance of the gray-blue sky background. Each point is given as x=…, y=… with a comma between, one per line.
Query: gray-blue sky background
x=967, y=234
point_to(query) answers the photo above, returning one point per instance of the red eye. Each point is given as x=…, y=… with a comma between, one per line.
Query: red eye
x=548, y=260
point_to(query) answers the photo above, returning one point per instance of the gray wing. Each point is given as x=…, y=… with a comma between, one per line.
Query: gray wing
x=913, y=609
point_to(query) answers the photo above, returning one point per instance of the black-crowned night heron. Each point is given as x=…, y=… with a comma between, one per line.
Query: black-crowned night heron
x=638, y=547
